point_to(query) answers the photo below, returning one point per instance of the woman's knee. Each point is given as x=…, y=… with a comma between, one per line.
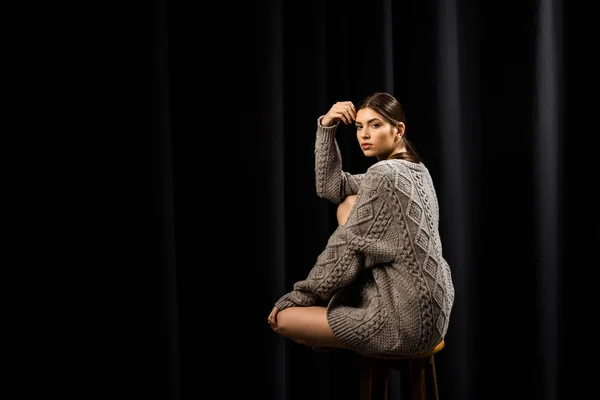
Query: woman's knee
x=284, y=323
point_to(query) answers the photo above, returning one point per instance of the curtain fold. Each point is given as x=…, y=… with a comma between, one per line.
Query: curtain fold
x=500, y=100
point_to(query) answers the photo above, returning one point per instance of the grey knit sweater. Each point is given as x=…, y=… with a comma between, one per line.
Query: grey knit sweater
x=388, y=287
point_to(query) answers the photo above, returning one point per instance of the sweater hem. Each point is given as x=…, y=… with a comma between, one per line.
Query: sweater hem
x=343, y=331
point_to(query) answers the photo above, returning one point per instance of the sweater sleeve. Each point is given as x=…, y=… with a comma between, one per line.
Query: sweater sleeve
x=332, y=183
x=369, y=237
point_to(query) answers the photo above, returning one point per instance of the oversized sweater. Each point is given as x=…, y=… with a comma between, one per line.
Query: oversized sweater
x=383, y=275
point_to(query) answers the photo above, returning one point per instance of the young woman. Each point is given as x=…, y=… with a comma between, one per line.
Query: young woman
x=381, y=285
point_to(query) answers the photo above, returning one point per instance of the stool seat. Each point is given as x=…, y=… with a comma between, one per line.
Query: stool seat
x=374, y=384
x=431, y=352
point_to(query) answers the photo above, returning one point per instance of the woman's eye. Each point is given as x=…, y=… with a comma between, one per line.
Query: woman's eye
x=375, y=126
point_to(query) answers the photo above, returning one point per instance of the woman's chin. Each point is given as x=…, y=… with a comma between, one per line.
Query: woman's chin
x=371, y=153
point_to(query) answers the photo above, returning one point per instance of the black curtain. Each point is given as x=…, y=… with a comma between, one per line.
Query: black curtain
x=500, y=100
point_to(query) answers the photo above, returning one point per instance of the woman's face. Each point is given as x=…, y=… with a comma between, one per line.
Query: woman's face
x=376, y=137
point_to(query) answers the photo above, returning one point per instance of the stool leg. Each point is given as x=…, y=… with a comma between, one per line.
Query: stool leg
x=381, y=380
x=434, y=380
x=366, y=379
x=417, y=380
x=374, y=379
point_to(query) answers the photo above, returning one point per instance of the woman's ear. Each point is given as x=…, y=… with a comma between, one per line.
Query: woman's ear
x=400, y=127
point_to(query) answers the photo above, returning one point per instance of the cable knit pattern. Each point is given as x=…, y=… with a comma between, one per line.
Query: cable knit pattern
x=388, y=287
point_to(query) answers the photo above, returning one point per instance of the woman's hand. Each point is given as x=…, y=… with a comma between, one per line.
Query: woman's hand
x=273, y=318
x=341, y=111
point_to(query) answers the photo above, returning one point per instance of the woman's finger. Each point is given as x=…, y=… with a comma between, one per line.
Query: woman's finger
x=273, y=325
x=340, y=115
x=346, y=115
x=349, y=116
x=273, y=318
x=352, y=111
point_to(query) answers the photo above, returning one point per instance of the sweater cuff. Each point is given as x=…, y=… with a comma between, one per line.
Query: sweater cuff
x=284, y=302
x=326, y=134
x=296, y=298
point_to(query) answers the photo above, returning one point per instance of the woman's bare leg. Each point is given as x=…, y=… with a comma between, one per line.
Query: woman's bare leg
x=343, y=209
x=307, y=326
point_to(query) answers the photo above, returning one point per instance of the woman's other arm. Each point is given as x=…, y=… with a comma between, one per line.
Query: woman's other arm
x=332, y=183
x=368, y=238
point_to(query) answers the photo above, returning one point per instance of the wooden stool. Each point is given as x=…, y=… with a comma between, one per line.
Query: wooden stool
x=374, y=380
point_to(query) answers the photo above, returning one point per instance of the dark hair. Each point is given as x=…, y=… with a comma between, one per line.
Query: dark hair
x=391, y=110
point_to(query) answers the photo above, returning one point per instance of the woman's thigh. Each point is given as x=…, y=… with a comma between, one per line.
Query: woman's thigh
x=344, y=208
x=307, y=326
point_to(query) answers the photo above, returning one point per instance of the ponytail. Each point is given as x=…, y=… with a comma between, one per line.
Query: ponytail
x=409, y=155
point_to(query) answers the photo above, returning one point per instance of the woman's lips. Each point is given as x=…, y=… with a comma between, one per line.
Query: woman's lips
x=366, y=145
